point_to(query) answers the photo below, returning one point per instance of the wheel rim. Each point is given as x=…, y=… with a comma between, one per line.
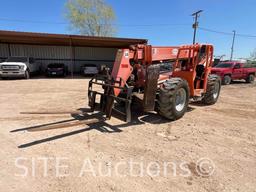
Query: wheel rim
x=216, y=90
x=180, y=99
x=227, y=80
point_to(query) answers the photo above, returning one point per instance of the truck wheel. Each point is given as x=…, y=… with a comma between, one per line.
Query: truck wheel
x=213, y=90
x=250, y=78
x=27, y=75
x=226, y=80
x=173, y=98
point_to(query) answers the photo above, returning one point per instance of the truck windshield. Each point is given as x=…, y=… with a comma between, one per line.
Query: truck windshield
x=224, y=65
x=17, y=59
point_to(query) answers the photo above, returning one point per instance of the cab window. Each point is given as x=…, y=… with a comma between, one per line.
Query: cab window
x=237, y=66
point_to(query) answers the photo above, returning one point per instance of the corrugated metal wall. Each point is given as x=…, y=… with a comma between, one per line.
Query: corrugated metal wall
x=94, y=55
x=61, y=54
x=4, y=51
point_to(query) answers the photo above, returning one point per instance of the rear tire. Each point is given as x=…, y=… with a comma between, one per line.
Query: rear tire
x=173, y=99
x=213, y=90
x=250, y=78
x=226, y=80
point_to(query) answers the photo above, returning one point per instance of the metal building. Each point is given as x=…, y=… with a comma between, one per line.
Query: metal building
x=73, y=50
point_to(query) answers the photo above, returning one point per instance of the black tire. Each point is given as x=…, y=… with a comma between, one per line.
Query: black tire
x=213, y=90
x=168, y=97
x=250, y=78
x=226, y=80
x=27, y=75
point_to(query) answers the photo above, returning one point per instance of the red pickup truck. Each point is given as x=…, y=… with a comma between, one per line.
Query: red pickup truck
x=229, y=71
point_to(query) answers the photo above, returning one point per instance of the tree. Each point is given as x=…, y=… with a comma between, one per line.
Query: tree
x=91, y=17
x=253, y=55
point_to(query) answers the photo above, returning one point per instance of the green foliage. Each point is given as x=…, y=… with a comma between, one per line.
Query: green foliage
x=253, y=55
x=250, y=64
x=91, y=17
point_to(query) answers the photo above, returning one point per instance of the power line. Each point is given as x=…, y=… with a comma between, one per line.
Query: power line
x=116, y=24
x=214, y=31
x=133, y=25
x=246, y=35
x=31, y=21
x=227, y=33
x=151, y=25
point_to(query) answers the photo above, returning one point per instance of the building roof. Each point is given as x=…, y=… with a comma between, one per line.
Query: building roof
x=66, y=40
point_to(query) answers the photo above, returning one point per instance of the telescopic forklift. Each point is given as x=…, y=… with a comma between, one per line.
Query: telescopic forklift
x=137, y=73
x=162, y=79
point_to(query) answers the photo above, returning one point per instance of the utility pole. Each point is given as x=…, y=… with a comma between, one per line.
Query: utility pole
x=195, y=25
x=232, y=47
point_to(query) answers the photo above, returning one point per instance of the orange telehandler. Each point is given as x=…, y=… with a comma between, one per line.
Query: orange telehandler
x=164, y=78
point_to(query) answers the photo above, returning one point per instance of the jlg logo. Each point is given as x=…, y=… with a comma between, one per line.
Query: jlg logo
x=175, y=51
x=126, y=54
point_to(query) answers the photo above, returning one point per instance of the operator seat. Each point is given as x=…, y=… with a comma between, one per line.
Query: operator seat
x=199, y=75
x=199, y=71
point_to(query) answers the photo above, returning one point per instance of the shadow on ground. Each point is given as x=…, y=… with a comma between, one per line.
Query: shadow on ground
x=138, y=118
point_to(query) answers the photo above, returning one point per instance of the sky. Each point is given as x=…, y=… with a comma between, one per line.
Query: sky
x=162, y=22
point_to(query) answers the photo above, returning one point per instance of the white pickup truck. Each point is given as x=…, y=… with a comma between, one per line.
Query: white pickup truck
x=18, y=67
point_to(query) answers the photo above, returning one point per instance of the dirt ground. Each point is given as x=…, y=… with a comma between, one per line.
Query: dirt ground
x=148, y=154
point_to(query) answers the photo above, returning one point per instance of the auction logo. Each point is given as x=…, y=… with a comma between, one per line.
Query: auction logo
x=205, y=167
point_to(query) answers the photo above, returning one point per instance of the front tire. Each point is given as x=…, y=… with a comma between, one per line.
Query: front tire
x=226, y=80
x=27, y=75
x=213, y=90
x=250, y=78
x=173, y=99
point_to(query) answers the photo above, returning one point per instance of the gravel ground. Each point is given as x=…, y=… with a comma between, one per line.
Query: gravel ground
x=212, y=148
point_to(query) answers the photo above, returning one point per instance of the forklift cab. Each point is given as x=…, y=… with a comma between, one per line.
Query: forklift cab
x=193, y=64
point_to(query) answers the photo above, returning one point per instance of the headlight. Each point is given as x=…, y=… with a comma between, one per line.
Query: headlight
x=22, y=67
